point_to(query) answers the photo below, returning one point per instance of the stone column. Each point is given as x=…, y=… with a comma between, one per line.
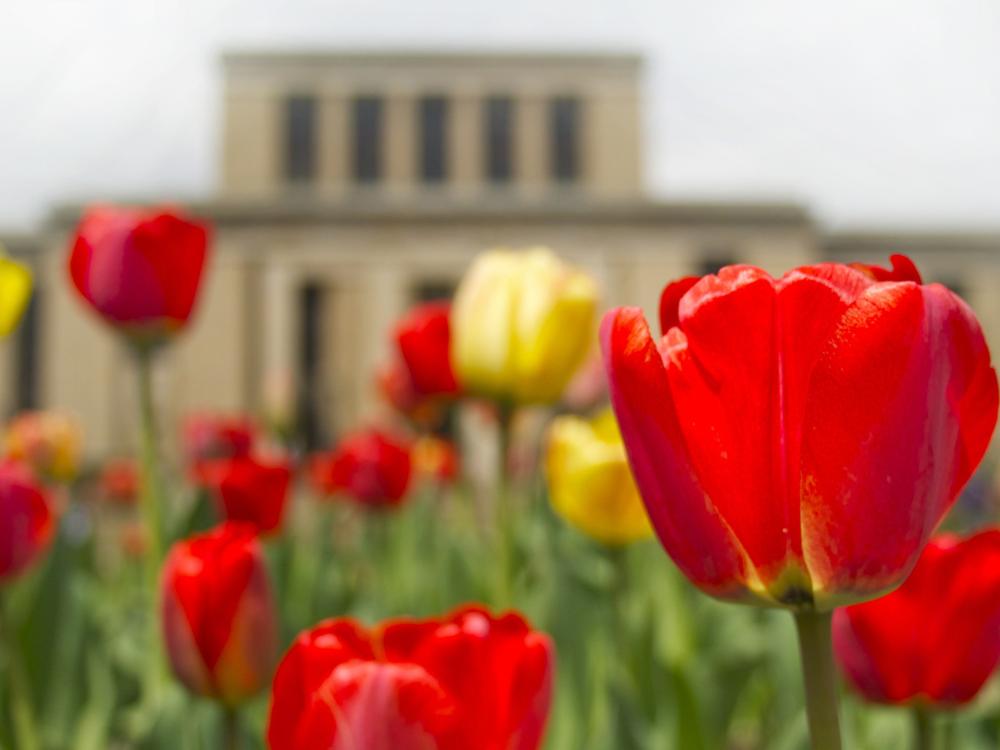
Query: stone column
x=531, y=142
x=399, y=144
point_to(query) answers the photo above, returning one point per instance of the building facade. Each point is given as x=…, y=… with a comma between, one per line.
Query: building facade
x=353, y=185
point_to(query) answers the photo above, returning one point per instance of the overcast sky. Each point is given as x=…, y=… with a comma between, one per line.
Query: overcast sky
x=874, y=112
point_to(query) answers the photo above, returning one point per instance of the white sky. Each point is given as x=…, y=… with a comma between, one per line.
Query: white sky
x=874, y=112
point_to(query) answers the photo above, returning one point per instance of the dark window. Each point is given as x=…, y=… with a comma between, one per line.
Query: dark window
x=433, y=138
x=300, y=139
x=564, y=122
x=433, y=289
x=711, y=263
x=367, y=139
x=311, y=394
x=499, y=116
x=26, y=368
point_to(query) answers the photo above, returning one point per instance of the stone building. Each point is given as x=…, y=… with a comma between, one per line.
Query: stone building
x=355, y=184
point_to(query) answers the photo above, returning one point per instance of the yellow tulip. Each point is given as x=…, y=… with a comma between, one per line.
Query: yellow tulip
x=590, y=484
x=522, y=323
x=15, y=289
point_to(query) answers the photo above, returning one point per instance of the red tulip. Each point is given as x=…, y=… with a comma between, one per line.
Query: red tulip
x=215, y=436
x=423, y=336
x=797, y=440
x=119, y=481
x=25, y=519
x=436, y=459
x=469, y=680
x=250, y=490
x=935, y=639
x=372, y=467
x=140, y=270
x=218, y=615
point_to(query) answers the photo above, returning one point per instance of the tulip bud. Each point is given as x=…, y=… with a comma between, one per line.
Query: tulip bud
x=250, y=490
x=25, y=520
x=371, y=467
x=590, y=484
x=423, y=337
x=522, y=324
x=139, y=270
x=219, y=619
x=15, y=291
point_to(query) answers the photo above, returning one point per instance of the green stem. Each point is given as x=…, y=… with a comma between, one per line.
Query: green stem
x=230, y=728
x=151, y=501
x=25, y=731
x=816, y=647
x=502, y=516
x=923, y=729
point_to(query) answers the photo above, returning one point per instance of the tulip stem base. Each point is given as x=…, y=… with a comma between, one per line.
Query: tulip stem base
x=822, y=700
x=230, y=728
x=23, y=719
x=923, y=730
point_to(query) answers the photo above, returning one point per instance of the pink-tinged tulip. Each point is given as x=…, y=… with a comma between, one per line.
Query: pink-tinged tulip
x=219, y=619
x=469, y=680
x=797, y=440
x=26, y=522
x=119, y=481
x=935, y=640
x=423, y=336
x=251, y=490
x=140, y=270
x=372, y=467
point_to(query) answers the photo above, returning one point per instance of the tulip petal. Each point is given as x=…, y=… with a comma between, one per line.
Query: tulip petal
x=688, y=524
x=670, y=300
x=15, y=291
x=907, y=366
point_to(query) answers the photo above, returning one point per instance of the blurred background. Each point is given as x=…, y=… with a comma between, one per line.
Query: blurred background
x=354, y=156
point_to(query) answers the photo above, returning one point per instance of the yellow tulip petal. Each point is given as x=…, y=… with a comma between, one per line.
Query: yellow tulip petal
x=15, y=290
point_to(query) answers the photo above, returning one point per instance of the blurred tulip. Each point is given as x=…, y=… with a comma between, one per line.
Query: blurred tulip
x=423, y=336
x=371, y=467
x=219, y=619
x=26, y=522
x=797, y=440
x=590, y=484
x=15, y=291
x=250, y=490
x=47, y=441
x=436, y=459
x=140, y=270
x=134, y=539
x=207, y=437
x=935, y=640
x=119, y=481
x=522, y=324
x=469, y=680
x=397, y=389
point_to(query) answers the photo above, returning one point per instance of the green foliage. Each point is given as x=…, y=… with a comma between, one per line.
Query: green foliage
x=644, y=660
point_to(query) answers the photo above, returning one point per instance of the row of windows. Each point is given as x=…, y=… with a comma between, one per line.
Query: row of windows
x=433, y=124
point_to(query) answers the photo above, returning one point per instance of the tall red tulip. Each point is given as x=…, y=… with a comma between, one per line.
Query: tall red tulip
x=25, y=519
x=218, y=615
x=936, y=639
x=372, y=467
x=796, y=440
x=250, y=489
x=139, y=269
x=423, y=336
x=469, y=680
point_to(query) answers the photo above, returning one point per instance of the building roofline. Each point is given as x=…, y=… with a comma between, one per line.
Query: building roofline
x=603, y=58
x=365, y=210
x=908, y=240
